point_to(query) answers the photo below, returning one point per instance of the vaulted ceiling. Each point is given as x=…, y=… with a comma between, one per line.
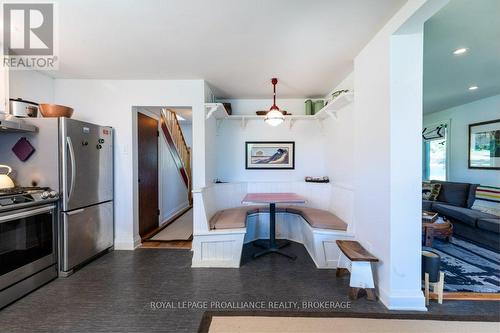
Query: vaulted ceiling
x=237, y=46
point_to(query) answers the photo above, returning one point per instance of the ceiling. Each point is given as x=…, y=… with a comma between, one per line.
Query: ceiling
x=468, y=24
x=237, y=46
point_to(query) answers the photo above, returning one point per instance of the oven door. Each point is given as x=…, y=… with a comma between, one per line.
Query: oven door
x=27, y=243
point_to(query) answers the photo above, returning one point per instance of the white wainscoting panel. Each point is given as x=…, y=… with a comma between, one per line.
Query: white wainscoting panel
x=222, y=248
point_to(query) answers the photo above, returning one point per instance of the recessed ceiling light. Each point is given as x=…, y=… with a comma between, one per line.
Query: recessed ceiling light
x=473, y=87
x=460, y=51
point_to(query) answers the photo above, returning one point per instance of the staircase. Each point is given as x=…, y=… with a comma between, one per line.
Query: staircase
x=178, y=147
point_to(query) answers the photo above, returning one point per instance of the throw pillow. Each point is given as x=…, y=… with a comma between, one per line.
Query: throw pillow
x=430, y=191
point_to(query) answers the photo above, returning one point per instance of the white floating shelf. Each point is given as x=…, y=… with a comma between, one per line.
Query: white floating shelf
x=218, y=111
x=334, y=106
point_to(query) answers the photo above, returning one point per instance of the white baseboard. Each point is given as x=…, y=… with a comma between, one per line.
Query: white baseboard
x=125, y=246
x=405, y=301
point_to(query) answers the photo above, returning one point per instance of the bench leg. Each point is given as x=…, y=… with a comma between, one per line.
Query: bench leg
x=353, y=293
x=361, y=275
x=362, y=278
x=341, y=271
x=370, y=294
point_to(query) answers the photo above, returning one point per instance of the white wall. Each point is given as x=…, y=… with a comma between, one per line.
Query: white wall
x=339, y=141
x=110, y=102
x=173, y=191
x=387, y=146
x=459, y=118
x=204, y=138
x=31, y=85
x=309, y=150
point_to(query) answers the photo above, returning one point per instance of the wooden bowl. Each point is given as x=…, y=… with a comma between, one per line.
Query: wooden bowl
x=54, y=110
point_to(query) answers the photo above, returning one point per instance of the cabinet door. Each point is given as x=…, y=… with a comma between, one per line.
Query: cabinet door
x=4, y=84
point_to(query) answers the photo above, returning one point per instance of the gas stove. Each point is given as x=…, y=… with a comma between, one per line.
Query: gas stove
x=23, y=197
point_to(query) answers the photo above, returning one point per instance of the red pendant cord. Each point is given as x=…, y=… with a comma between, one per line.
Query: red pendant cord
x=274, y=81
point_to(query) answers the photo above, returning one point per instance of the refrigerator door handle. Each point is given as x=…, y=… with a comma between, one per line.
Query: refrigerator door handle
x=73, y=166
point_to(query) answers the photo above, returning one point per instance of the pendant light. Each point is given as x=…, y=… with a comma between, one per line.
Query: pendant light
x=274, y=117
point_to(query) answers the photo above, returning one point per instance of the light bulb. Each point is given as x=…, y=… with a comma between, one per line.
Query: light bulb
x=274, y=118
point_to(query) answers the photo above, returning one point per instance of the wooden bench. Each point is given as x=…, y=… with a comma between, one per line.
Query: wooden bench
x=355, y=259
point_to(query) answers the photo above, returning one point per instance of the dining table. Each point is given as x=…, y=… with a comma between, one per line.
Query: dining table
x=272, y=199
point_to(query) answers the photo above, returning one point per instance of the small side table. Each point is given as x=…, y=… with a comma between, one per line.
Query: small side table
x=437, y=229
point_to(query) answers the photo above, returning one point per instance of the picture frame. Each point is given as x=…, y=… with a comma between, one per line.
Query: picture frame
x=270, y=155
x=484, y=145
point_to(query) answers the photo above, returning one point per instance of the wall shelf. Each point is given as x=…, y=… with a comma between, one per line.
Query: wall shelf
x=218, y=111
x=331, y=109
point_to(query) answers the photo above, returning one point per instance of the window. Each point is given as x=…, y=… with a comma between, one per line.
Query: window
x=434, y=153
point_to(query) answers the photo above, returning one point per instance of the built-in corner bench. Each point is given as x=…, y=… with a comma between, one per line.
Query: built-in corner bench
x=317, y=229
x=237, y=217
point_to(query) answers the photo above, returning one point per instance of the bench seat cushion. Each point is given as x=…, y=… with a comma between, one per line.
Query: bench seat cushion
x=232, y=218
x=322, y=219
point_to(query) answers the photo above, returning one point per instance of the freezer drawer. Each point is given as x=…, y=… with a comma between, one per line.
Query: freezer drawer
x=86, y=232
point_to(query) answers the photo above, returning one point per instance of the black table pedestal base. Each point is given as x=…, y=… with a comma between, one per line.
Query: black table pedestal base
x=265, y=243
x=274, y=250
x=272, y=245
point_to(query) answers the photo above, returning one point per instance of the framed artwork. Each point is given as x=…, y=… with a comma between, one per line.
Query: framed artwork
x=270, y=155
x=484, y=145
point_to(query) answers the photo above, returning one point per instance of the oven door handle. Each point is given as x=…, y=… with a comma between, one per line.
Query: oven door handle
x=27, y=213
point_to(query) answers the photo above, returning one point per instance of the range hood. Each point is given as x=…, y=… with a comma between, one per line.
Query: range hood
x=9, y=123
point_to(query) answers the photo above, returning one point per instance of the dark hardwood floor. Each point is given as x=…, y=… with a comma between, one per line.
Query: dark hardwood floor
x=114, y=293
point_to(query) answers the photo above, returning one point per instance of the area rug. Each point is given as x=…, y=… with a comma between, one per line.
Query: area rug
x=180, y=229
x=468, y=267
x=338, y=322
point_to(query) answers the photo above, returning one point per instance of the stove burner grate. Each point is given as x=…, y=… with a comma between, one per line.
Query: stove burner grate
x=20, y=190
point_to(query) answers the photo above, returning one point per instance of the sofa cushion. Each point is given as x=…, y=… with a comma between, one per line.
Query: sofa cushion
x=461, y=214
x=490, y=224
x=427, y=205
x=453, y=193
x=319, y=218
x=230, y=218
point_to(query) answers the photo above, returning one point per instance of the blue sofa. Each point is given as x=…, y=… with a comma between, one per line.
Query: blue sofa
x=455, y=202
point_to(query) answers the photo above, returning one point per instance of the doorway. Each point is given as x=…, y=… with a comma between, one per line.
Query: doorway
x=164, y=138
x=455, y=214
x=147, y=148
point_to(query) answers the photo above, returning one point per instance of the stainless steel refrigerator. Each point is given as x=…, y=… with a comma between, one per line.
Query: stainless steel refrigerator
x=77, y=158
